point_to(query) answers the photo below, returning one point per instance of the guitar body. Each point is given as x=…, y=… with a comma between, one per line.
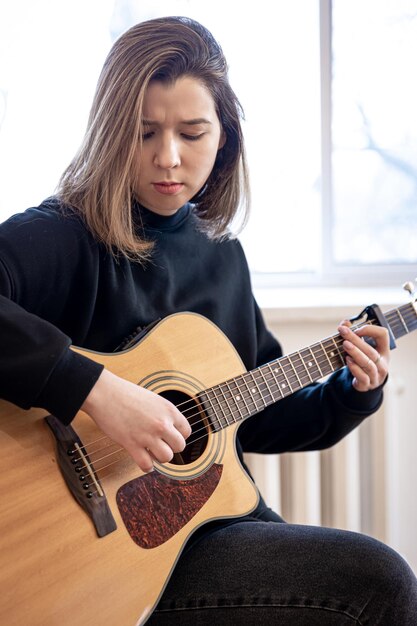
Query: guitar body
x=55, y=569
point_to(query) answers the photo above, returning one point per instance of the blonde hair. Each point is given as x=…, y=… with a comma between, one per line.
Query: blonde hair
x=98, y=182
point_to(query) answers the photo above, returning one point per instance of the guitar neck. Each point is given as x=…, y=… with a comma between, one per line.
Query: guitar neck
x=402, y=320
x=247, y=394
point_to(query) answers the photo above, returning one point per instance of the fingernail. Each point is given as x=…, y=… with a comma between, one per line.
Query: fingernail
x=343, y=330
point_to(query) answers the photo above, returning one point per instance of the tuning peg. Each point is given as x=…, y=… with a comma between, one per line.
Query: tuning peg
x=409, y=286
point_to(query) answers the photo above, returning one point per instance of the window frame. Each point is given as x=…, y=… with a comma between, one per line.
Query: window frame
x=330, y=273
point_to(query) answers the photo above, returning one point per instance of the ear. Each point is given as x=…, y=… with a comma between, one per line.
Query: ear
x=222, y=140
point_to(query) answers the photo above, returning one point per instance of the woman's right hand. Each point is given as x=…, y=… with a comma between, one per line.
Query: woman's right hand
x=148, y=426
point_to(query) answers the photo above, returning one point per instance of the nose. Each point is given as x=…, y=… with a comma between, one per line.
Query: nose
x=167, y=155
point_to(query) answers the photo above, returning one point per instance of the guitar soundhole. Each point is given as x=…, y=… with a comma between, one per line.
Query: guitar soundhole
x=197, y=441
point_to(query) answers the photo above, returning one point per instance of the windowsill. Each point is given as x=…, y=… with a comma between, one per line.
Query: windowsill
x=324, y=303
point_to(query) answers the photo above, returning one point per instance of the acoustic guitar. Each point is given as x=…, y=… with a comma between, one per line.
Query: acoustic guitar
x=86, y=538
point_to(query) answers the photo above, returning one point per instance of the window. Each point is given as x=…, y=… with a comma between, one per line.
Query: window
x=374, y=133
x=328, y=93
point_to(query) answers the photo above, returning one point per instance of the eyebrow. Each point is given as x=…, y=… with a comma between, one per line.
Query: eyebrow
x=193, y=122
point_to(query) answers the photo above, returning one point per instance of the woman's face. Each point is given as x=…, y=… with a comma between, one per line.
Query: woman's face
x=182, y=135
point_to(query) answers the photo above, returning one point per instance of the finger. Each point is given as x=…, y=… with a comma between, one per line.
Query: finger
x=161, y=451
x=142, y=458
x=347, y=323
x=178, y=420
x=380, y=336
x=361, y=354
x=174, y=439
x=368, y=367
x=378, y=358
x=182, y=425
x=352, y=339
x=361, y=379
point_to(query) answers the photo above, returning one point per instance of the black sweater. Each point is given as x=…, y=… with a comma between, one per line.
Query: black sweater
x=59, y=286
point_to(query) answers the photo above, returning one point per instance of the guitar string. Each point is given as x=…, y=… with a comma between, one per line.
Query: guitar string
x=298, y=354
x=204, y=429
x=336, y=341
x=103, y=476
x=299, y=367
x=99, y=470
x=223, y=403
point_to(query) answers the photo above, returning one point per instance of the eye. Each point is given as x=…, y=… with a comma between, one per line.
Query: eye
x=192, y=137
x=147, y=135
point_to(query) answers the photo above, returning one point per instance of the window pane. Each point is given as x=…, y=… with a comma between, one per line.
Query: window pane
x=374, y=131
x=279, y=85
x=47, y=84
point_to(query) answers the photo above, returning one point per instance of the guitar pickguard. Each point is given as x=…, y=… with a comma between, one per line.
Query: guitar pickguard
x=155, y=507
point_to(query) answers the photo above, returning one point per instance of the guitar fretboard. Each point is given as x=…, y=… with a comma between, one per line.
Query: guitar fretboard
x=247, y=394
x=402, y=320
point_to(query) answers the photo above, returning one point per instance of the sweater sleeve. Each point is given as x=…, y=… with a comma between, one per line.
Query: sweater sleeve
x=313, y=418
x=37, y=366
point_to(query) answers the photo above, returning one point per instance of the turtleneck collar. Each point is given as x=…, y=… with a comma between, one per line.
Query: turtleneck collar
x=154, y=221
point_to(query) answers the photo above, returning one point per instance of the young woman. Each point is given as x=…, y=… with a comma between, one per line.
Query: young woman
x=138, y=230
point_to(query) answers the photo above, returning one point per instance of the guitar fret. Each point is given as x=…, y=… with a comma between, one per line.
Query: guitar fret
x=235, y=419
x=334, y=357
x=326, y=365
x=257, y=390
x=316, y=362
x=274, y=371
x=398, y=326
x=295, y=371
x=402, y=320
x=247, y=394
x=338, y=351
x=310, y=365
x=287, y=383
x=266, y=383
x=221, y=415
x=322, y=363
x=223, y=405
x=307, y=368
x=326, y=355
x=211, y=410
x=229, y=407
x=267, y=389
x=410, y=319
x=304, y=375
x=240, y=397
x=235, y=397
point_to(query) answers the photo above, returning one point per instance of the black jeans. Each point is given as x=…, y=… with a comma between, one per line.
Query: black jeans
x=276, y=573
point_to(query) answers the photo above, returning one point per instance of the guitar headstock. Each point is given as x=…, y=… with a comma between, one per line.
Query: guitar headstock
x=411, y=288
x=397, y=321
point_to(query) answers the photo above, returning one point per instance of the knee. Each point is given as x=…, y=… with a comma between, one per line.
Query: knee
x=386, y=569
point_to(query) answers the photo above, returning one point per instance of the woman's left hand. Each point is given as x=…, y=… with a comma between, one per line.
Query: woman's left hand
x=367, y=364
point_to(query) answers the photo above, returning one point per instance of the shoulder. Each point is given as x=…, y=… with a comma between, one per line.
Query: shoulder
x=231, y=250
x=49, y=216
x=44, y=241
x=50, y=224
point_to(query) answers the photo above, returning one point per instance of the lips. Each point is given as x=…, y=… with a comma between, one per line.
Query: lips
x=168, y=189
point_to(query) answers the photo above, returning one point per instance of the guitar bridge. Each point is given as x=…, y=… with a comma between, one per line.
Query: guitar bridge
x=69, y=450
